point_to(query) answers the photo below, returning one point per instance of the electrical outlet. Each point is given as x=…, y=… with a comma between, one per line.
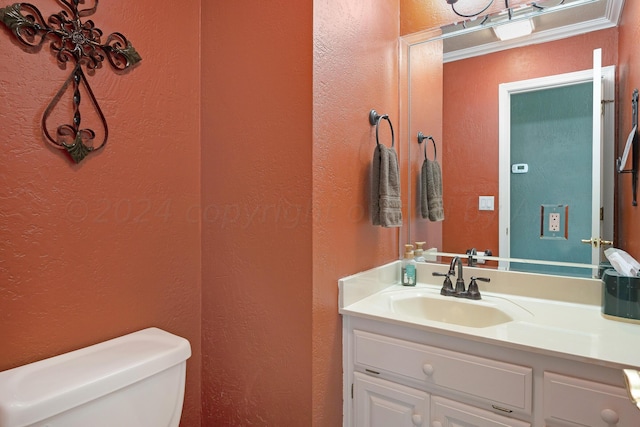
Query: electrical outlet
x=554, y=222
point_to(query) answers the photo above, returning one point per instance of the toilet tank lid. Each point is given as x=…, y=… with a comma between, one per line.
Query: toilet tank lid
x=39, y=390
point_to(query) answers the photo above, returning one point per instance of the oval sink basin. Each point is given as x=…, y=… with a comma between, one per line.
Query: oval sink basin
x=451, y=310
x=428, y=305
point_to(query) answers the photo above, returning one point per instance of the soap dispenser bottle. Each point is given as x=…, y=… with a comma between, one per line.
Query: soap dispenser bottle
x=419, y=257
x=408, y=267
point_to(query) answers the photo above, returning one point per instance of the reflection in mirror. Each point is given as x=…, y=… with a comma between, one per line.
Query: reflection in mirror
x=452, y=95
x=484, y=259
x=549, y=124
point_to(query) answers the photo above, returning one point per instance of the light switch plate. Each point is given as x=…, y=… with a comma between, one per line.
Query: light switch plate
x=485, y=203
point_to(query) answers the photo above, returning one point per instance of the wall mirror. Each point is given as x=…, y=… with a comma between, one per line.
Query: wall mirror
x=451, y=79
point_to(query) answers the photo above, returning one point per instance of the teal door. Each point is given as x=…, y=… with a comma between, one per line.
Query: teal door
x=551, y=177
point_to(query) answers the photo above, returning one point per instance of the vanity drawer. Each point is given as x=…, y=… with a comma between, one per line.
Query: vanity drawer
x=572, y=401
x=445, y=412
x=505, y=386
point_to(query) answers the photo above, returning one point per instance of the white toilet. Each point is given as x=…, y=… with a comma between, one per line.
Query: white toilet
x=136, y=380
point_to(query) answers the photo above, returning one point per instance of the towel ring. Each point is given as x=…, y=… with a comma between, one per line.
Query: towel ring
x=421, y=138
x=374, y=119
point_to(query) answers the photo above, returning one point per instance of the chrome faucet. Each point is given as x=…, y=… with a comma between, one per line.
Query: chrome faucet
x=472, y=261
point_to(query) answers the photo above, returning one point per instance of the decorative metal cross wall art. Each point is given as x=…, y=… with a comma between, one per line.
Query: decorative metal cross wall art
x=79, y=42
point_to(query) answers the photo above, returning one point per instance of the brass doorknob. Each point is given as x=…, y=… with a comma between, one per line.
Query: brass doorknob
x=596, y=243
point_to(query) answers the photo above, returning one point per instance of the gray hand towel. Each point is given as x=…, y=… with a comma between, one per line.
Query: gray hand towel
x=386, y=207
x=431, y=205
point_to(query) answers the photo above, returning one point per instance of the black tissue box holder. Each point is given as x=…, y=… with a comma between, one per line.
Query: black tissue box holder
x=620, y=295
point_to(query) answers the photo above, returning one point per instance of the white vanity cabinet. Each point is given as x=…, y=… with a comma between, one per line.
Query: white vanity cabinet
x=396, y=375
x=570, y=401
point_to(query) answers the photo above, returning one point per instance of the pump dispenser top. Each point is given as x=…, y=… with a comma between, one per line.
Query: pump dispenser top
x=418, y=255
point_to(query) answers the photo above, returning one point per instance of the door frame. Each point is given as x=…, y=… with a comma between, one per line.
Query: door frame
x=607, y=151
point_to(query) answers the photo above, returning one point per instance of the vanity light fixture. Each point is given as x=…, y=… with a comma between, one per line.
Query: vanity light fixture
x=472, y=15
x=514, y=29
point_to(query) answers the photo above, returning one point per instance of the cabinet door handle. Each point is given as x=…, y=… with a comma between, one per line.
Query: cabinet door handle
x=427, y=368
x=417, y=419
x=609, y=416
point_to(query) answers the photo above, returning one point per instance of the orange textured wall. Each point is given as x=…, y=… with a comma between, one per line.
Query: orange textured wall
x=257, y=217
x=100, y=249
x=426, y=77
x=628, y=216
x=355, y=70
x=470, y=141
x=285, y=160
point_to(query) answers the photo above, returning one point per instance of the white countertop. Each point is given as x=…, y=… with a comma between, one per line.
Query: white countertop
x=562, y=327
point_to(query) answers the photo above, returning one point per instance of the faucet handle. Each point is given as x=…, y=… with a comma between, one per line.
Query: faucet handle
x=473, y=292
x=447, y=286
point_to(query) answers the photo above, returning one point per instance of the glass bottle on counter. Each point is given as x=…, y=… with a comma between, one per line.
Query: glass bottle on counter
x=408, y=267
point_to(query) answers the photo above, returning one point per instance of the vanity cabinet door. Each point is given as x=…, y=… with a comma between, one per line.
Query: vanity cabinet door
x=381, y=403
x=572, y=402
x=449, y=413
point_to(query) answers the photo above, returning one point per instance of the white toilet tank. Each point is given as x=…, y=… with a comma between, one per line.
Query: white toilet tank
x=136, y=380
